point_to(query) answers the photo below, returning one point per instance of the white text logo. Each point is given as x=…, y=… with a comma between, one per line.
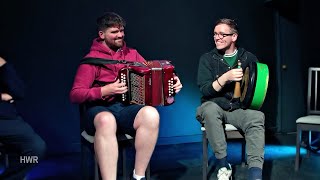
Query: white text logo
x=28, y=159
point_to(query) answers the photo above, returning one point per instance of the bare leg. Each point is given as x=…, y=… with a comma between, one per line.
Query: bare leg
x=106, y=145
x=146, y=124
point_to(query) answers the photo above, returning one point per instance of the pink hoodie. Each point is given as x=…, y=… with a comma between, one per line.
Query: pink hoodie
x=82, y=89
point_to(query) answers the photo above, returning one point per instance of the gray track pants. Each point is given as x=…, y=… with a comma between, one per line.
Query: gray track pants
x=251, y=122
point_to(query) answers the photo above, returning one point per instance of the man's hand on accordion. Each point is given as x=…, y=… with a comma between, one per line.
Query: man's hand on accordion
x=177, y=86
x=114, y=88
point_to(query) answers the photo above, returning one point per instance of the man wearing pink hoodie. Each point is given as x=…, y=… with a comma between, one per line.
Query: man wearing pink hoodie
x=106, y=114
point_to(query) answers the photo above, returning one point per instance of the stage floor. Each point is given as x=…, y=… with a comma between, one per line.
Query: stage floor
x=184, y=161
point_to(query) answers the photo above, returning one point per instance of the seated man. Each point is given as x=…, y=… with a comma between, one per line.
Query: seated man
x=216, y=79
x=106, y=114
x=18, y=138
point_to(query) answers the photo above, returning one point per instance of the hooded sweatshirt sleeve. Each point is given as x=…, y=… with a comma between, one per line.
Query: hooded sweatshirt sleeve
x=205, y=76
x=82, y=89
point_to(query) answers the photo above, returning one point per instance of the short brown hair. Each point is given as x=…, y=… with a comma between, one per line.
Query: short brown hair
x=109, y=19
x=231, y=23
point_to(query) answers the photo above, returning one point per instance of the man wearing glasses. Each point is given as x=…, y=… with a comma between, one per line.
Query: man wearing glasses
x=217, y=74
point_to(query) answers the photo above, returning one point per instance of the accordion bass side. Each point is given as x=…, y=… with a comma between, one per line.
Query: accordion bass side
x=149, y=83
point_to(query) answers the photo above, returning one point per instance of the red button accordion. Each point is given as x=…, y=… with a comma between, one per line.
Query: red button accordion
x=149, y=83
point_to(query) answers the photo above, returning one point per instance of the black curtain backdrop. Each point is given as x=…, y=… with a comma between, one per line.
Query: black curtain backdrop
x=45, y=41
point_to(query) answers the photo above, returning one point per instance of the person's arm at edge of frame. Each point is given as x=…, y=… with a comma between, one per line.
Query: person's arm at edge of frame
x=10, y=78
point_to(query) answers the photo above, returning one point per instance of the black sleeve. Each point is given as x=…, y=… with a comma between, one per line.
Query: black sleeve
x=205, y=78
x=10, y=82
x=252, y=57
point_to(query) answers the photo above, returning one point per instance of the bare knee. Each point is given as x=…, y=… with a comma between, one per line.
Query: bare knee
x=147, y=116
x=105, y=122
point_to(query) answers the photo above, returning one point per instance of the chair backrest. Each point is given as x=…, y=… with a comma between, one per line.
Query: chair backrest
x=313, y=106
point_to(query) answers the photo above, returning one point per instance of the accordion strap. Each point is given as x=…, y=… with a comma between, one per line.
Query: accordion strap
x=101, y=61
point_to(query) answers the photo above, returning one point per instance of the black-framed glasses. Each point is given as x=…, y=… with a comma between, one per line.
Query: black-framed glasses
x=221, y=35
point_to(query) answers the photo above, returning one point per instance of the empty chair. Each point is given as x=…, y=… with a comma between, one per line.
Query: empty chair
x=310, y=122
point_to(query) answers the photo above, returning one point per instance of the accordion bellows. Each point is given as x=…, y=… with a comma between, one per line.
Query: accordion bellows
x=149, y=83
